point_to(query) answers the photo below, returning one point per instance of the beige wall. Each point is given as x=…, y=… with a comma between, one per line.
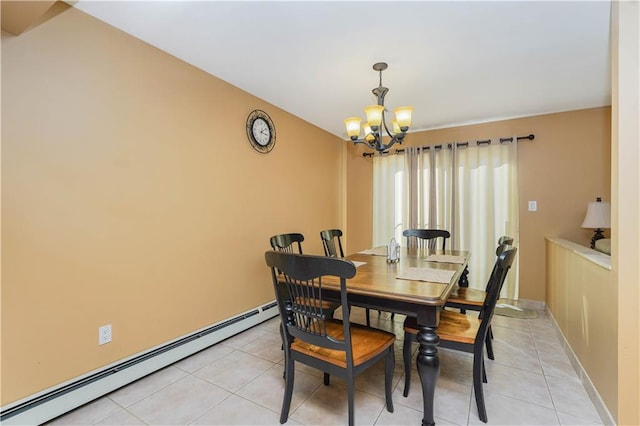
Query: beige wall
x=131, y=197
x=582, y=297
x=565, y=167
x=625, y=208
x=17, y=16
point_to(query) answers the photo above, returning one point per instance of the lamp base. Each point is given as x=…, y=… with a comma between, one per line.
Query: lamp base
x=597, y=236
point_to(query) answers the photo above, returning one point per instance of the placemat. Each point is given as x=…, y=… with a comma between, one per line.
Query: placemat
x=376, y=251
x=426, y=274
x=445, y=258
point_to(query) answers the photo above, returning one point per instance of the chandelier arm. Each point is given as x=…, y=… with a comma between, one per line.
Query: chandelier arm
x=386, y=129
x=377, y=142
x=381, y=92
x=389, y=145
x=371, y=145
x=395, y=140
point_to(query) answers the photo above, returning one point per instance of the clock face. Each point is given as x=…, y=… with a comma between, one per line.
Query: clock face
x=261, y=131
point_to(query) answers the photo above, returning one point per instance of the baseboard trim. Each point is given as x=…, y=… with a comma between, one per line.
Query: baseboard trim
x=595, y=397
x=56, y=401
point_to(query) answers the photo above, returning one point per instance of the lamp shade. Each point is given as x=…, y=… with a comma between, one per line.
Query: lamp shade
x=403, y=116
x=368, y=136
x=598, y=215
x=353, y=126
x=374, y=114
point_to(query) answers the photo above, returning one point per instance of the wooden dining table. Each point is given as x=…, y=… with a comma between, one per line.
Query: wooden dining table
x=376, y=286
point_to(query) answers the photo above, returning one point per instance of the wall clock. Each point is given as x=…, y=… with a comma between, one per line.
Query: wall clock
x=261, y=131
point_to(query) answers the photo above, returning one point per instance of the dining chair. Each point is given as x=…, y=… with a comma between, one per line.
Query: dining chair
x=426, y=238
x=287, y=242
x=467, y=298
x=505, y=239
x=332, y=244
x=472, y=298
x=312, y=337
x=464, y=332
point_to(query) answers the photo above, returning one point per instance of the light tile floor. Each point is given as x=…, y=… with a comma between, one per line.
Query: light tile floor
x=239, y=382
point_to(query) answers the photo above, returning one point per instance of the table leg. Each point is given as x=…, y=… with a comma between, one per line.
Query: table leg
x=463, y=281
x=429, y=369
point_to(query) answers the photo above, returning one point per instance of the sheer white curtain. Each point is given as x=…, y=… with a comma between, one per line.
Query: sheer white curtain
x=486, y=200
x=389, y=198
x=470, y=191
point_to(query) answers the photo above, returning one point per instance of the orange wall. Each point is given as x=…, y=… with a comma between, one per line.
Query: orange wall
x=360, y=200
x=131, y=197
x=565, y=167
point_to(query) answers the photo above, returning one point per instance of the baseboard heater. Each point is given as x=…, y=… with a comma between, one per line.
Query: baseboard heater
x=53, y=402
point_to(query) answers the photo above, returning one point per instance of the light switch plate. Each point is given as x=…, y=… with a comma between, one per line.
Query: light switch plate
x=533, y=206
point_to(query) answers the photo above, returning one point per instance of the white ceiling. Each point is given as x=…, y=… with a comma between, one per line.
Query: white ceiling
x=454, y=62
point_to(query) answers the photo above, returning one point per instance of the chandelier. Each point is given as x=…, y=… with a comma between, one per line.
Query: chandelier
x=376, y=121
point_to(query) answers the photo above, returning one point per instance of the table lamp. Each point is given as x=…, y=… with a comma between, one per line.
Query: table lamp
x=598, y=217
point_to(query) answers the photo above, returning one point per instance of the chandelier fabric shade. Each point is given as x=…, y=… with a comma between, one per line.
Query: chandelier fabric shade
x=372, y=128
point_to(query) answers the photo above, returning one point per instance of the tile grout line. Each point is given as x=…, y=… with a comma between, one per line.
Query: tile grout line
x=535, y=344
x=533, y=327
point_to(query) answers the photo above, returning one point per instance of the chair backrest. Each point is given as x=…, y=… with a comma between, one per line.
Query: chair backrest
x=426, y=238
x=329, y=238
x=503, y=244
x=505, y=239
x=494, y=286
x=298, y=290
x=287, y=242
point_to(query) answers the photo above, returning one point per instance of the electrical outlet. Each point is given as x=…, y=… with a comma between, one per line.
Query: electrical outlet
x=104, y=334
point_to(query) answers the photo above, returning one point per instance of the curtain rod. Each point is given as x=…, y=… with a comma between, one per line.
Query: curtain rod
x=458, y=144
